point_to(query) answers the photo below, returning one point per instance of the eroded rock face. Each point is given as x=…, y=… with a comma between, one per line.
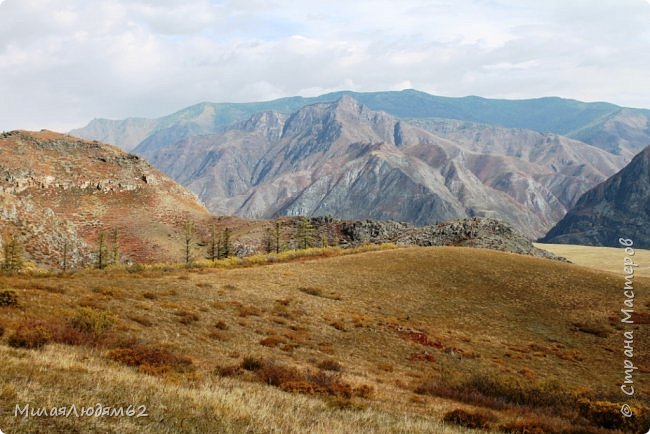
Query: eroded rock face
x=616, y=208
x=57, y=193
x=345, y=160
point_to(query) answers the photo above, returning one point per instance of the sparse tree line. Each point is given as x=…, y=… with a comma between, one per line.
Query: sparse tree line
x=12, y=252
x=218, y=244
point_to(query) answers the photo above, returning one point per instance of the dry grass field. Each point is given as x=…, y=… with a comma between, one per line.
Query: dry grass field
x=600, y=258
x=436, y=340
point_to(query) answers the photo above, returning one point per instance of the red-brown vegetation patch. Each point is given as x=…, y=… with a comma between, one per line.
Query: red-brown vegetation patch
x=152, y=360
x=309, y=381
x=31, y=334
x=421, y=356
x=417, y=336
x=272, y=341
x=474, y=420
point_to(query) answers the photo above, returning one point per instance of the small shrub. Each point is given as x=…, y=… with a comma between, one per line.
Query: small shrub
x=271, y=341
x=152, y=360
x=311, y=291
x=92, y=321
x=245, y=311
x=363, y=391
x=251, y=364
x=140, y=320
x=525, y=427
x=227, y=371
x=2, y=330
x=276, y=374
x=69, y=335
x=135, y=268
x=221, y=325
x=186, y=317
x=338, y=403
x=298, y=386
x=30, y=334
x=422, y=356
x=608, y=415
x=8, y=298
x=477, y=420
x=292, y=379
x=149, y=295
x=595, y=329
x=330, y=365
x=498, y=392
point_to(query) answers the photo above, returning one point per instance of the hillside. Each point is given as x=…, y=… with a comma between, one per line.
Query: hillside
x=615, y=129
x=618, y=207
x=387, y=341
x=58, y=194
x=345, y=160
x=600, y=258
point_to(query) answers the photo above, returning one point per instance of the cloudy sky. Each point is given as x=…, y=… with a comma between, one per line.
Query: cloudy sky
x=65, y=62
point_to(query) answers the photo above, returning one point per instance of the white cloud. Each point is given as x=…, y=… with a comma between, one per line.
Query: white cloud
x=65, y=62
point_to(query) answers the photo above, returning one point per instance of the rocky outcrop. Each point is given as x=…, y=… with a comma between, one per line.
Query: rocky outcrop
x=58, y=193
x=476, y=232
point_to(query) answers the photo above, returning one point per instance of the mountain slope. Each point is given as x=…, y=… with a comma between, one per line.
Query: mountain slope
x=619, y=130
x=413, y=324
x=58, y=192
x=618, y=207
x=345, y=160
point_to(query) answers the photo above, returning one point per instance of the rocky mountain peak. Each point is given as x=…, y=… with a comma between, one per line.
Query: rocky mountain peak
x=268, y=124
x=617, y=207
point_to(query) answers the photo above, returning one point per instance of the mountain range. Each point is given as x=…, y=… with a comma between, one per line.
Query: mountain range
x=405, y=156
x=620, y=130
x=345, y=160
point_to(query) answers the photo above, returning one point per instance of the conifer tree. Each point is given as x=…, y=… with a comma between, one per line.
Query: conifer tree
x=64, y=263
x=267, y=241
x=13, y=254
x=226, y=248
x=115, y=247
x=188, y=232
x=213, y=245
x=102, y=251
x=276, y=235
x=305, y=233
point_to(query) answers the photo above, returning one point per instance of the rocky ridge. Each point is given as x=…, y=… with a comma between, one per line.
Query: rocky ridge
x=487, y=233
x=59, y=193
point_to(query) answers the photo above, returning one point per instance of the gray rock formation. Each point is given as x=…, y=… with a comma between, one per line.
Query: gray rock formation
x=476, y=232
x=616, y=208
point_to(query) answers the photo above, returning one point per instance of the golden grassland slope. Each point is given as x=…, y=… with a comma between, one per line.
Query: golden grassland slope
x=600, y=258
x=400, y=329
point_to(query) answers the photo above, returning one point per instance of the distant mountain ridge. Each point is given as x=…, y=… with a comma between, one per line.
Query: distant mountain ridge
x=346, y=160
x=619, y=130
x=616, y=208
